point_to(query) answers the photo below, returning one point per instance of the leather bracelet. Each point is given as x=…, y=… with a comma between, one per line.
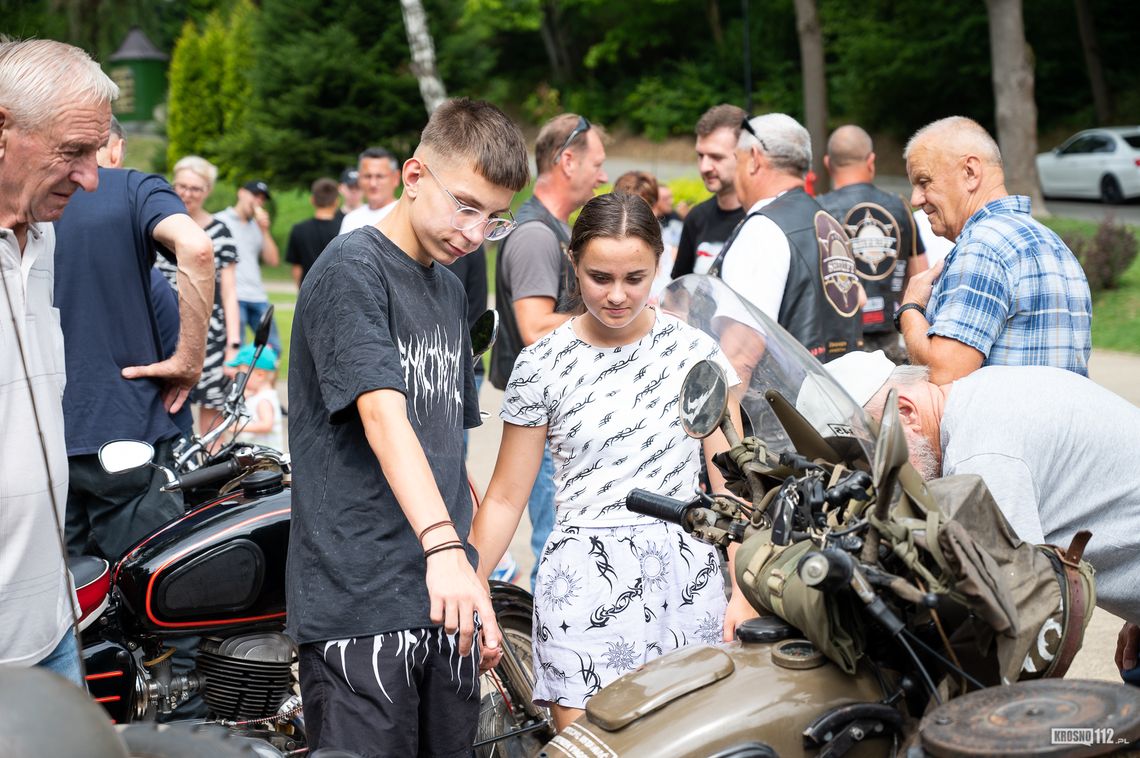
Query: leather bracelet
x=903, y=309
x=436, y=525
x=441, y=548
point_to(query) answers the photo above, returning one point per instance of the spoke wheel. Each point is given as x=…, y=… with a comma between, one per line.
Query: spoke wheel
x=502, y=704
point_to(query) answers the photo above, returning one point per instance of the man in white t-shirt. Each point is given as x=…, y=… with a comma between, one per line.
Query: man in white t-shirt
x=788, y=257
x=248, y=223
x=378, y=175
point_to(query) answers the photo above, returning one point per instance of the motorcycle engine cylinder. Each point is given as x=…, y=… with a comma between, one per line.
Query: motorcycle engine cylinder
x=247, y=676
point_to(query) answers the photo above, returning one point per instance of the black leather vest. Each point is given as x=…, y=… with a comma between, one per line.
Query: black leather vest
x=820, y=304
x=509, y=343
x=883, y=239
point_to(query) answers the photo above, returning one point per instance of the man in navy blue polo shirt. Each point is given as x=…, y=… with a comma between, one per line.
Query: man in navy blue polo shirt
x=120, y=382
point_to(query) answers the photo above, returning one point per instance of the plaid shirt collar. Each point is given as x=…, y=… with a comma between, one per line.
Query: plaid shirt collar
x=1007, y=204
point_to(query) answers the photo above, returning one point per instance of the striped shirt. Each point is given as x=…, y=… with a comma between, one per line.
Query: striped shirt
x=1012, y=290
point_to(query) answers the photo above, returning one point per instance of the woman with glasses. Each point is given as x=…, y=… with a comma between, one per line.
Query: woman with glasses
x=194, y=179
x=615, y=589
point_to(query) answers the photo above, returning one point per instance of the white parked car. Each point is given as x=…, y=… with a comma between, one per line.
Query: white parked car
x=1097, y=163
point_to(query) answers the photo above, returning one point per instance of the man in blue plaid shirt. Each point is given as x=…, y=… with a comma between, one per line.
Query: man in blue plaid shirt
x=1010, y=292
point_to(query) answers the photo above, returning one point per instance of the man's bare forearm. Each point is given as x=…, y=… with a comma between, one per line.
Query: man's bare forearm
x=194, y=254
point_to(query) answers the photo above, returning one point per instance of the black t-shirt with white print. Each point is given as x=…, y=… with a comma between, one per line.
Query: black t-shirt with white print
x=369, y=317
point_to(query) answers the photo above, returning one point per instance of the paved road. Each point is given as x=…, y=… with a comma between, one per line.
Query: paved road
x=1128, y=213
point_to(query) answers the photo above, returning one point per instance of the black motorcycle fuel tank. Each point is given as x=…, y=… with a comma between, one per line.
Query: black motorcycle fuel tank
x=220, y=565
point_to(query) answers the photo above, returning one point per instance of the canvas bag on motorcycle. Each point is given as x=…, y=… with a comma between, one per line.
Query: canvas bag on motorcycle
x=1012, y=610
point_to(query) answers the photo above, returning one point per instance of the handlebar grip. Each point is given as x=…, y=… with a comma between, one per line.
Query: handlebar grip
x=210, y=474
x=658, y=506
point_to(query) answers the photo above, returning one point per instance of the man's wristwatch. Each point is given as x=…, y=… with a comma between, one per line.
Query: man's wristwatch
x=903, y=309
x=237, y=345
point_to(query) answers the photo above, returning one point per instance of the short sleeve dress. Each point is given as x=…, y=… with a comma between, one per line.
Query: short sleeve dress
x=615, y=589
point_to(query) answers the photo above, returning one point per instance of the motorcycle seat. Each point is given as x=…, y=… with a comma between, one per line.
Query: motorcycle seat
x=92, y=577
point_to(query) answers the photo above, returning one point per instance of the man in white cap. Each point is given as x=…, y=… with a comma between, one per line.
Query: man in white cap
x=1057, y=451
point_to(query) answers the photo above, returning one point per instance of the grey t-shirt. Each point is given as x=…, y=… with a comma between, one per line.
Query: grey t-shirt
x=369, y=317
x=534, y=261
x=1059, y=453
x=249, y=242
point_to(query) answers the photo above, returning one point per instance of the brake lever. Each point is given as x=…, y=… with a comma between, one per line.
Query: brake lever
x=783, y=512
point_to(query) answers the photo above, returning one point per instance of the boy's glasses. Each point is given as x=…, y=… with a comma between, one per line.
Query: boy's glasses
x=465, y=218
x=583, y=126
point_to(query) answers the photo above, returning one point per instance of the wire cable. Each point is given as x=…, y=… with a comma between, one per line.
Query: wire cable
x=921, y=669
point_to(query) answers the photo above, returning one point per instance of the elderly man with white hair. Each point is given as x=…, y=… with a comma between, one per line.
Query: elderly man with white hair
x=1058, y=452
x=55, y=112
x=1010, y=293
x=788, y=257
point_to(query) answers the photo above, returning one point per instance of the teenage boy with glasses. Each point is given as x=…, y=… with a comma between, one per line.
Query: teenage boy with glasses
x=533, y=275
x=392, y=622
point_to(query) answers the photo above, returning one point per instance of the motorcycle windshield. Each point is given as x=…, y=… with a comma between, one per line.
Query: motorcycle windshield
x=766, y=357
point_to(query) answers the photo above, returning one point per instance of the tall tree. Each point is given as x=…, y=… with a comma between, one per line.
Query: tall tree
x=554, y=40
x=186, y=120
x=1102, y=100
x=1014, y=105
x=423, y=54
x=329, y=77
x=815, y=85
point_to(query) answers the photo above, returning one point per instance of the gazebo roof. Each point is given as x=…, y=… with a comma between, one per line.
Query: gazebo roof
x=137, y=47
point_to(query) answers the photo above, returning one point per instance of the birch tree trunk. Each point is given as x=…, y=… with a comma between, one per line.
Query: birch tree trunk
x=815, y=86
x=1013, y=100
x=423, y=54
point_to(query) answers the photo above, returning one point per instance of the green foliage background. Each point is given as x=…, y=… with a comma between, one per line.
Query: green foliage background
x=293, y=89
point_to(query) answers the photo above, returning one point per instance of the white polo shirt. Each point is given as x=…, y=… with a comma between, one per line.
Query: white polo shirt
x=364, y=216
x=34, y=608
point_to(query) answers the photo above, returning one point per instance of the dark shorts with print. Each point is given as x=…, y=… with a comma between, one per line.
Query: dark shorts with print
x=396, y=694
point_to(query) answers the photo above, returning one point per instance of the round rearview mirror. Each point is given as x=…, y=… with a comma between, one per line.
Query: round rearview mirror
x=483, y=332
x=261, y=334
x=118, y=456
x=704, y=397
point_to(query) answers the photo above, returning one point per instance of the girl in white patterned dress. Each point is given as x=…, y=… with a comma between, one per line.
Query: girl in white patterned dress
x=614, y=588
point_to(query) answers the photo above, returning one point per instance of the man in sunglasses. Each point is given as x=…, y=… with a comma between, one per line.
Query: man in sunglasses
x=788, y=257
x=383, y=598
x=533, y=275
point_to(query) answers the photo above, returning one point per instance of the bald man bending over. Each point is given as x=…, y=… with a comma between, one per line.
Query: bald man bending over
x=884, y=240
x=1010, y=293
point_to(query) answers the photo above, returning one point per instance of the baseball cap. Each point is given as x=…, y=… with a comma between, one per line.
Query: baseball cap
x=258, y=187
x=267, y=360
x=349, y=176
x=861, y=374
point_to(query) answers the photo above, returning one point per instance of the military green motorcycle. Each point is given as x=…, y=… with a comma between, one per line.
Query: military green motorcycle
x=897, y=616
